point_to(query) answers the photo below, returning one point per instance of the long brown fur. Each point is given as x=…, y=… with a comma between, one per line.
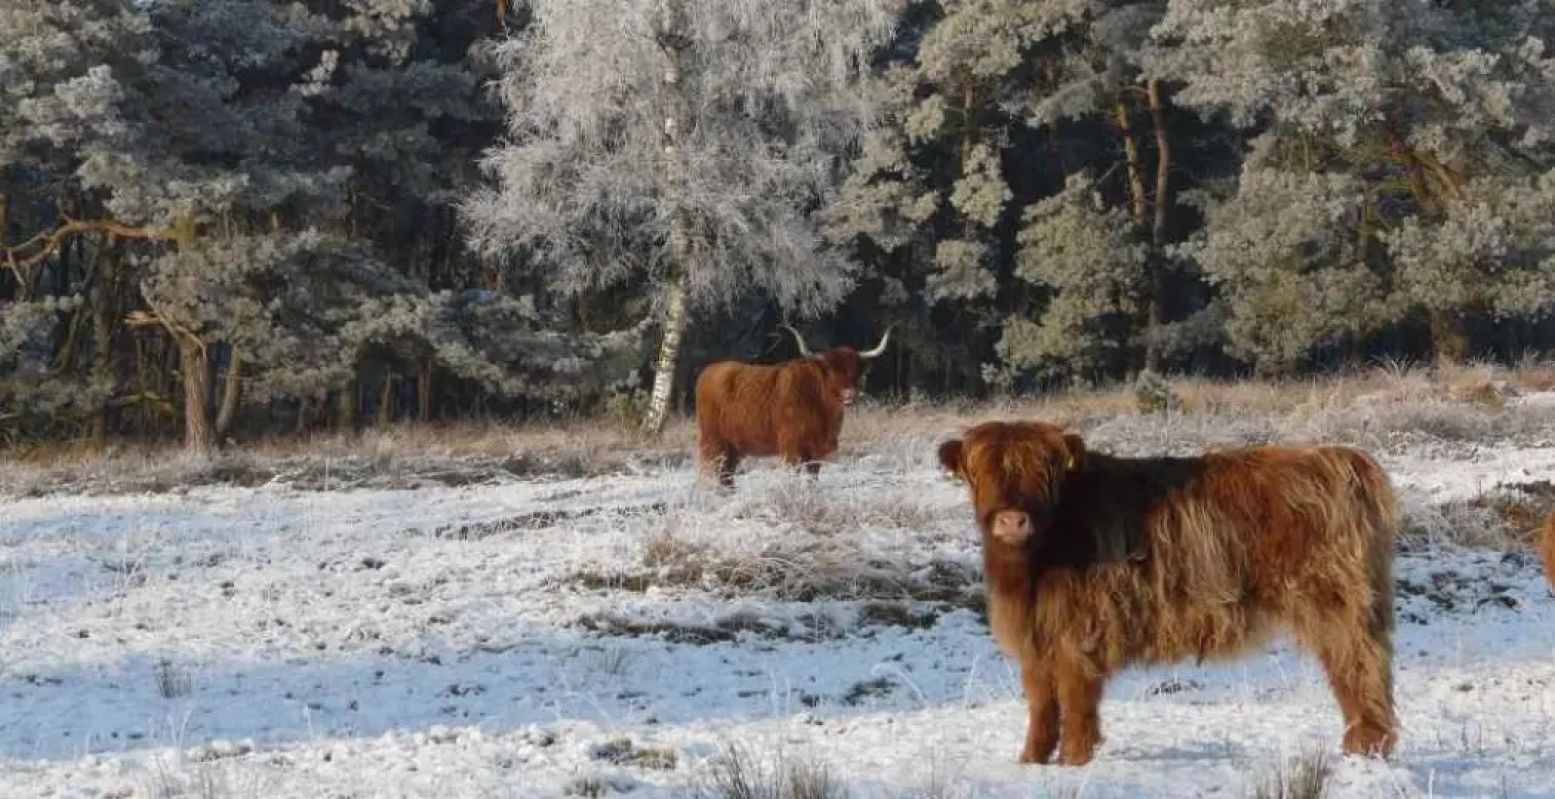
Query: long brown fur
x=1141, y=561
x=792, y=409
x=1547, y=548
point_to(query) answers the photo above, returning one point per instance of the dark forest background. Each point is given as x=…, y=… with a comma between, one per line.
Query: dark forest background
x=226, y=219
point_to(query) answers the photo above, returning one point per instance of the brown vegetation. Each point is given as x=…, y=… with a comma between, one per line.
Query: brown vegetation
x=1381, y=410
x=1096, y=562
x=792, y=409
x=1304, y=777
x=739, y=772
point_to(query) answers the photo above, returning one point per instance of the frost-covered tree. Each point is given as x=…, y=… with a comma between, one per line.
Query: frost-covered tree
x=1095, y=75
x=1090, y=258
x=1284, y=250
x=928, y=200
x=999, y=106
x=244, y=151
x=45, y=49
x=1425, y=128
x=679, y=146
x=1492, y=249
x=224, y=216
x=174, y=143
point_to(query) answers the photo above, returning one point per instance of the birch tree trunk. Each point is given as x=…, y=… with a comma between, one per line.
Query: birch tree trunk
x=673, y=41
x=669, y=355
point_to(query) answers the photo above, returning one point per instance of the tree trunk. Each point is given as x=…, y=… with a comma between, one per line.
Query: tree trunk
x=386, y=398
x=1157, y=279
x=669, y=355
x=1448, y=338
x=199, y=433
x=6, y=292
x=1355, y=355
x=1136, y=176
x=673, y=40
x=1139, y=209
x=105, y=312
x=424, y=391
x=231, y=394
x=347, y=404
x=969, y=129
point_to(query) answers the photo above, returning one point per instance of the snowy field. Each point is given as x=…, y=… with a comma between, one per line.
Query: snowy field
x=546, y=636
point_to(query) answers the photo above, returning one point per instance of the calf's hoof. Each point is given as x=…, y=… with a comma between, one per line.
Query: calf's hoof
x=1036, y=754
x=1077, y=755
x=1369, y=740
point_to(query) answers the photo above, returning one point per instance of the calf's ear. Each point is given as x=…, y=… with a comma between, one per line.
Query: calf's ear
x=1075, y=447
x=950, y=454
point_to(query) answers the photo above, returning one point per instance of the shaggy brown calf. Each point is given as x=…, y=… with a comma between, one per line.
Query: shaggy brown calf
x=792, y=409
x=1547, y=548
x=1096, y=562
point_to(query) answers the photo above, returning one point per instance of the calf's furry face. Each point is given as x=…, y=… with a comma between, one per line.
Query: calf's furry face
x=1016, y=472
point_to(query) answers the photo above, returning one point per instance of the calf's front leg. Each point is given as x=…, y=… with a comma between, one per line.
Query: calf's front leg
x=1079, y=696
x=1042, y=705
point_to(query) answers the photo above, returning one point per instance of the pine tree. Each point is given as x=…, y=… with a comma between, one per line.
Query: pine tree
x=1091, y=258
x=928, y=202
x=1393, y=123
x=223, y=192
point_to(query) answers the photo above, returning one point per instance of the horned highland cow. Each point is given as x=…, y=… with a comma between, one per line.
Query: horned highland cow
x=791, y=409
x=1096, y=562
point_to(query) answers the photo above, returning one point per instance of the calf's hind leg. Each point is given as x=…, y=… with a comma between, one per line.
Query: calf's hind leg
x=1358, y=671
x=1357, y=656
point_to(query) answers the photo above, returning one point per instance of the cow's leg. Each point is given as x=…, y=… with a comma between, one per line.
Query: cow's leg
x=1042, y=705
x=1079, y=696
x=715, y=458
x=791, y=449
x=816, y=456
x=1358, y=662
x=726, y=466
x=1353, y=641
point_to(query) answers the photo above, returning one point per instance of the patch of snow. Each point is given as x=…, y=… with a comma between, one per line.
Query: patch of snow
x=1534, y=399
x=268, y=641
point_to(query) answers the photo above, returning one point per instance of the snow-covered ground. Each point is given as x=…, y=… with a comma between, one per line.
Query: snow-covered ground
x=502, y=639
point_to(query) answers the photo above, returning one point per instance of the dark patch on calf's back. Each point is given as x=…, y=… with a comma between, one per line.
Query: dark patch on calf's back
x=1105, y=507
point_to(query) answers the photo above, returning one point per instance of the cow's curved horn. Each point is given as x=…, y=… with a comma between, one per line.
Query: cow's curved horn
x=804, y=349
x=879, y=348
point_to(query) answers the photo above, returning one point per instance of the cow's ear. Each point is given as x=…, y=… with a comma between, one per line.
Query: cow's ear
x=950, y=454
x=1074, y=448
